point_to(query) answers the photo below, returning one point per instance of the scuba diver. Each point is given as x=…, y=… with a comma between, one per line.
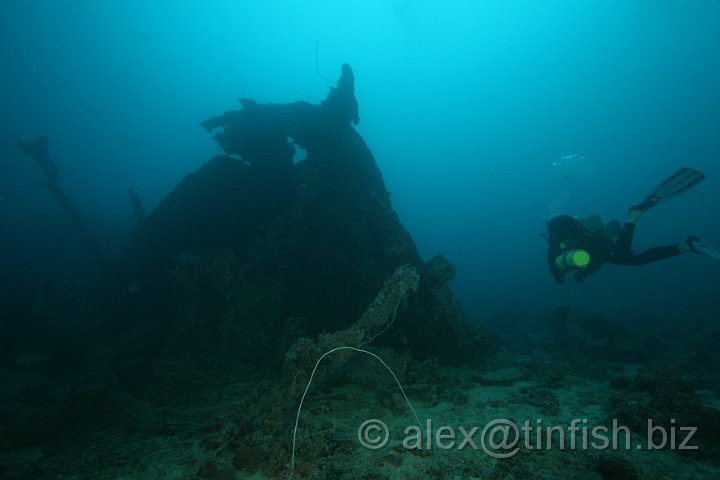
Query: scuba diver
x=583, y=245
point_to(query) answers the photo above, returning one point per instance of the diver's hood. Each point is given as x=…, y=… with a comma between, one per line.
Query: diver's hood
x=564, y=226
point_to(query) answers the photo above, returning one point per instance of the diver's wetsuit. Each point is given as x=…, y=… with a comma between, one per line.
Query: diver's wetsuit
x=566, y=233
x=623, y=254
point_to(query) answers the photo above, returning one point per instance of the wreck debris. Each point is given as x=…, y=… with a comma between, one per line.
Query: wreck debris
x=37, y=149
x=378, y=317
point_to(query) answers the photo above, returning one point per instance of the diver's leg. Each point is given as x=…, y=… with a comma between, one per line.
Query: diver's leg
x=623, y=243
x=653, y=254
x=623, y=254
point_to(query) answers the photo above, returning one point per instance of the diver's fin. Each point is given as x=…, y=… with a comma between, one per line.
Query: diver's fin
x=677, y=183
x=698, y=246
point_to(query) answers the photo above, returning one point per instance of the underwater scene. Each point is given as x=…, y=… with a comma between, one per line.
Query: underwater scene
x=361, y=239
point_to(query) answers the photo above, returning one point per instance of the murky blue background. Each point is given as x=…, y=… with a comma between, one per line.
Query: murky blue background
x=486, y=118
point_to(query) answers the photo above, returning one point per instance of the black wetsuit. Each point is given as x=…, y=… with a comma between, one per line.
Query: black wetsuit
x=623, y=254
x=566, y=233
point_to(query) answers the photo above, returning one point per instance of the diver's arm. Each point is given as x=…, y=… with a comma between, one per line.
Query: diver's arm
x=580, y=275
x=556, y=273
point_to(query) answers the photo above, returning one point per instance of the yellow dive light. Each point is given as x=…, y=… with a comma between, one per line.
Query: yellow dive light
x=573, y=259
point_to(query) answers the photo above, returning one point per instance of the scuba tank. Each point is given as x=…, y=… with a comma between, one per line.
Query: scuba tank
x=612, y=228
x=595, y=224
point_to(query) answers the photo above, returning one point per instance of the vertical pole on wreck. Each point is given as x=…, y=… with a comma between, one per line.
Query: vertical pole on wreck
x=37, y=149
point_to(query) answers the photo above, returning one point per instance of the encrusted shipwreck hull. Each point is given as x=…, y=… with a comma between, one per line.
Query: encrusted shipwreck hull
x=261, y=251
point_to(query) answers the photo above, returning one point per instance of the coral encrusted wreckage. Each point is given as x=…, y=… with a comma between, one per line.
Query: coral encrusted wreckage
x=275, y=250
x=191, y=352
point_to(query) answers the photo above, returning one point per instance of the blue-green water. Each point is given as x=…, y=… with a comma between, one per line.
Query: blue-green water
x=486, y=118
